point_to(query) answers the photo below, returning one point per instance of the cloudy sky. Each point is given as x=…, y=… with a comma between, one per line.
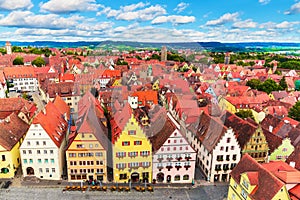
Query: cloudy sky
x=150, y=21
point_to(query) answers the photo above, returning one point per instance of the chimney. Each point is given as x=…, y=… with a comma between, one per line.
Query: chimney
x=7, y=119
x=292, y=164
x=270, y=128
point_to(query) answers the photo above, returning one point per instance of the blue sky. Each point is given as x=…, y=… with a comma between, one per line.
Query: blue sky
x=151, y=21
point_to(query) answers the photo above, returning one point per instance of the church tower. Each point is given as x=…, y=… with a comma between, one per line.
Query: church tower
x=164, y=53
x=227, y=58
x=8, y=48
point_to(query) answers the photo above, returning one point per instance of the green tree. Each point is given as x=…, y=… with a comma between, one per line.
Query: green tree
x=245, y=114
x=294, y=112
x=39, y=62
x=269, y=86
x=282, y=83
x=18, y=61
x=253, y=83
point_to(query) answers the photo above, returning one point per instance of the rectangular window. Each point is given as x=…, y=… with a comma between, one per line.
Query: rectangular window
x=144, y=153
x=120, y=154
x=133, y=154
x=234, y=157
x=99, y=154
x=28, y=143
x=44, y=143
x=39, y=161
x=25, y=161
x=45, y=151
x=38, y=151
x=40, y=170
x=37, y=143
x=29, y=151
x=24, y=151
x=228, y=140
x=51, y=151
x=220, y=158
x=30, y=161
x=138, y=142
x=53, y=170
x=47, y=170
x=131, y=132
x=72, y=154
x=52, y=161
x=46, y=160
x=79, y=146
x=126, y=143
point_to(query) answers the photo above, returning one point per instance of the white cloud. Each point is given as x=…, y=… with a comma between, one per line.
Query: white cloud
x=181, y=7
x=281, y=25
x=15, y=4
x=228, y=17
x=174, y=19
x=244, y=24
x=133, y=7
x=132, y=12
x=264, y=2
x=29, y=19
x=295, y=9
x=57, y=6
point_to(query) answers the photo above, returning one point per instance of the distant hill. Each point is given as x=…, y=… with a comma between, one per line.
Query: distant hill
x=208, y=46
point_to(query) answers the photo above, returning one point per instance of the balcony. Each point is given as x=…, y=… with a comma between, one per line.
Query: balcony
x=179, y=158
x=188, y=158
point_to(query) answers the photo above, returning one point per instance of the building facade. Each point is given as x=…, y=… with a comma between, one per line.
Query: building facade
x=132, y=154
x=173, y=158
x=43, y=149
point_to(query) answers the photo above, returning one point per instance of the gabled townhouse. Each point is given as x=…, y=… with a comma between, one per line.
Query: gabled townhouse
x=107, y=75
x=173, y=158
x=143, y=98
x=273, y=180
x=294, y=159
x=250, y=136
x=86, y=154
x=12, y=133
x=251, y=180
x=22, y=78
x=218, y=150
x=43, y=149
x=132, y=150
x=24, y=109
x=68, y=91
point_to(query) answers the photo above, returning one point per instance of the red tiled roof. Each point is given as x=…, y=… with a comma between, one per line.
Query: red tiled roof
x=62, y=106
x=283, y=171
x=159, y=138
x=9, y=105
x=267, y=186
x=52, y=122
x=295, y=157
x=19, y=72
x=295, y=192
x=12, y=129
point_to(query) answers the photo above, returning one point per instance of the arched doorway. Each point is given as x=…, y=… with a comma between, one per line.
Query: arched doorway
x=30, y=171
x=169, y=178
x=160, y=177
x=135, y=177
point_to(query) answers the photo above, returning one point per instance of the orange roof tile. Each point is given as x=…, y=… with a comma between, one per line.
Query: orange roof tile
x=52, y=122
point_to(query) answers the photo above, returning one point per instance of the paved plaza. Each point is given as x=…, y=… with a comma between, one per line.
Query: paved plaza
x=43, y=193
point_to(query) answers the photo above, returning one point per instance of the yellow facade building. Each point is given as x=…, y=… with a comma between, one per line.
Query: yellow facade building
x=12, y=133
x=132, y=154
x=251, y=180
x=87, y=152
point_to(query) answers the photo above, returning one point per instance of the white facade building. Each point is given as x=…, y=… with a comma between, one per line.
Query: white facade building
x=43, y=149
x=218, y=151
x=173, y=157
x=22, y=78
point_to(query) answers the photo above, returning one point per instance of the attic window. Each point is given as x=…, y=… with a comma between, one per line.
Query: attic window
x=56, y=138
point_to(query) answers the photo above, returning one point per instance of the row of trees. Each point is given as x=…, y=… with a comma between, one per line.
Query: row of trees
x=39, y=61
x=268, y=85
